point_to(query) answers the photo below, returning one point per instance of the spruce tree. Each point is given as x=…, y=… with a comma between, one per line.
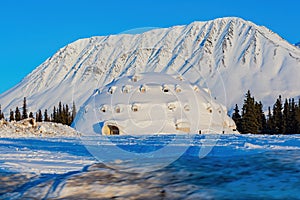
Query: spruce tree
x=73, y=112
x=46, y=118
x=67, y=115
x=64, y=115
x=24, y=113
x=54, y=115
x=1, y=114
x=261, y=118
x=17, y=114
x=31, y=115
x=286, y=118
x=59, y=113
x=297, y=116
x=270, y=123
x=293, y=123
x=39, y=116
x=11, y=116
x=236, y=118
x=249, y=121
x=278, y=117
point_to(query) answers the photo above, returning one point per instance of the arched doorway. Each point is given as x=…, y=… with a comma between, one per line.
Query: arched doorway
x=110, y=130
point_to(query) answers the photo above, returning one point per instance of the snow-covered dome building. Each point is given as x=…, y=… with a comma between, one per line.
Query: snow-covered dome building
x=152, y=103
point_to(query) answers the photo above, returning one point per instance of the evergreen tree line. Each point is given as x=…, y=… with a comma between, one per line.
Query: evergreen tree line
x=60, y=114
x=283, y=118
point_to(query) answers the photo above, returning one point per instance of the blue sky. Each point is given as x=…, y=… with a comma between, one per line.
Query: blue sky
x=33, y=30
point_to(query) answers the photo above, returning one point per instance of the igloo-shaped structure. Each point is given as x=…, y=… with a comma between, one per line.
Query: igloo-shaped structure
x=152, y=103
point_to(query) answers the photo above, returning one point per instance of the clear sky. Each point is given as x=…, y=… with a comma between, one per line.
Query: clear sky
x=33, y=30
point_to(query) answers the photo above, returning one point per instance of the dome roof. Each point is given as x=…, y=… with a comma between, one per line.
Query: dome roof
x=153, y=103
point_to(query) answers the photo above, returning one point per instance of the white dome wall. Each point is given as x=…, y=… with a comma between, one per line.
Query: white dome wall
x=163, y=105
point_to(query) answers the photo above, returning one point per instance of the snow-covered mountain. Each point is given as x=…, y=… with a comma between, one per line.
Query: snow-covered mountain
x=297, y=44
x=226, y=55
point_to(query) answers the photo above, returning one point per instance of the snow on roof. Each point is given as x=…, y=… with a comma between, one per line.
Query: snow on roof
x=154, y=103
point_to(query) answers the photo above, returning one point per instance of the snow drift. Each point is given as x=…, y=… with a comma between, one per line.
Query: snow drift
x=30, y=128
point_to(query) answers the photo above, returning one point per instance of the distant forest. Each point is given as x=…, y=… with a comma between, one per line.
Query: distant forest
x=283, y=118
x=60, y=114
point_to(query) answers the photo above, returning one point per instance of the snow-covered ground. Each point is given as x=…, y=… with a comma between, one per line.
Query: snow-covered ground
x=48, y=160
x=238, y=166
x=40, y=147
x=43, y=155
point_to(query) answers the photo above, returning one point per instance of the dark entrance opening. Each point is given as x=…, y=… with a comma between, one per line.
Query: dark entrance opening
x=113, y=130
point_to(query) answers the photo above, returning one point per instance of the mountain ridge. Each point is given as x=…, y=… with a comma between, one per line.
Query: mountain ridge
x=227, y=55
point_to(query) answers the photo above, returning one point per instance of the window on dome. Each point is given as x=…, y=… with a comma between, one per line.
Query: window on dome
x=117, y=109
x=165, y=89
x=126, y=89
x=103, y=109
x=143, y=89
x=134, y=108
x=111, y=90
x=178, y=88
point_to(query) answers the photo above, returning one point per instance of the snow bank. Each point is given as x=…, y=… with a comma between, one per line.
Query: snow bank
x=30, y=128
